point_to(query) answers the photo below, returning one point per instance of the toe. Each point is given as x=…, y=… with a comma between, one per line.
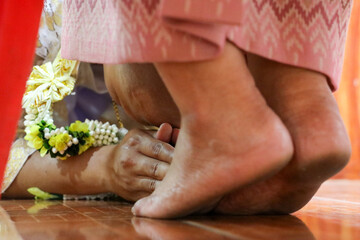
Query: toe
x=155, y=206
x=158, y=206
x=143, y=207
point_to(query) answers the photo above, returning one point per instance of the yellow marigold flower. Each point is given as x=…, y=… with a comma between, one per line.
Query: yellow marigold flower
x=34, y=130
x=60, y=141
x=33, y=138
x=79, y=127
x=37, y=143
x=87, y=145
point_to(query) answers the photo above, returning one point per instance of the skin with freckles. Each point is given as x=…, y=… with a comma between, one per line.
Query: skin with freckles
x=299, y=98
x=137, y=165
x=131, y=169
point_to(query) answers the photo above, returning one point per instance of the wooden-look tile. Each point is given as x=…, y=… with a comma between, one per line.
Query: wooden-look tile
x=333, y=214
x=176, y=230
x=257, y=227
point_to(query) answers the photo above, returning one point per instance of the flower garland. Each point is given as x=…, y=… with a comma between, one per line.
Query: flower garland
x=50, y=83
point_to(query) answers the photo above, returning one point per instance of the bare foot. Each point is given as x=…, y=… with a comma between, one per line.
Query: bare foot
x=304, y=102
x=228, y=138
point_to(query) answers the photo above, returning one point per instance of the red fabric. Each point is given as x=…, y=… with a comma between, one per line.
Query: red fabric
x=19, y=23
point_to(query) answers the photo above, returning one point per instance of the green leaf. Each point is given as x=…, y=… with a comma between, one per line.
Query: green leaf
x=46, y=144
x=53, y=155
x=39, y=194
x=73, y=150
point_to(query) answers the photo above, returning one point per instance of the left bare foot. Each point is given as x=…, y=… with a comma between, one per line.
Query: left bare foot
x=305, y=104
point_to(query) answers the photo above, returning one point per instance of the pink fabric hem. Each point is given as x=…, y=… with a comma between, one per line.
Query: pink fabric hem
x=308, y=34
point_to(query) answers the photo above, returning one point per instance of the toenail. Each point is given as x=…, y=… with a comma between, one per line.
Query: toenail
x=133, y=211
x=136, y=209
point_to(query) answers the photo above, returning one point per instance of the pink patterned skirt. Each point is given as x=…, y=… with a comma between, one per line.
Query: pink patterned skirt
x=304, y=33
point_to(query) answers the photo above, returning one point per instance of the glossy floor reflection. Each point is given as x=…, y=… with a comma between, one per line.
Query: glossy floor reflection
x=334, y=213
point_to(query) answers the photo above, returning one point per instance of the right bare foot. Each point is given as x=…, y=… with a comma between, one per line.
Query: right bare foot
x=229, y=137
x=304, y=102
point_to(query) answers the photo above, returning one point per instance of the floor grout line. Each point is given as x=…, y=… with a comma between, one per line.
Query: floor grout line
x=34, y=217
x=97, y=209
x=213, y=229
x=64, y=219
x=117, y=232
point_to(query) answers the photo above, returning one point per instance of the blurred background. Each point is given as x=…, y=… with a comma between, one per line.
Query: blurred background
x=348, y=95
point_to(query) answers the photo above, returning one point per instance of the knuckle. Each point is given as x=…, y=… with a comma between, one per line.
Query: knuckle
x=154, y=169
x=152, y=185
x=156, y=149
x=168, y=152
x=127, y=162
x=134, y=141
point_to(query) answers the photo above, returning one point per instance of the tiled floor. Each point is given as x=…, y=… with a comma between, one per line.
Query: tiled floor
x=333, y=214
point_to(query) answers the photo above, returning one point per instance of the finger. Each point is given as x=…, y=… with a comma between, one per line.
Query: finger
x=164, y=132
x=174, y=136
x=152, y=168
x=148, y=185
x=156, y=149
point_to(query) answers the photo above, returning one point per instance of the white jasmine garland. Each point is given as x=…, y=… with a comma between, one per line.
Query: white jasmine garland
x=50, y=83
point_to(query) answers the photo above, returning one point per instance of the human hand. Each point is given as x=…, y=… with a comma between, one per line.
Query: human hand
x=137, y=164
